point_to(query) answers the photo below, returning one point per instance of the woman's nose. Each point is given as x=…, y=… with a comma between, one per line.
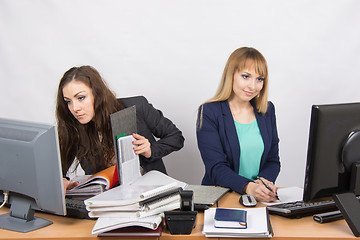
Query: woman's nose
x=251, y=84
x=76, y=107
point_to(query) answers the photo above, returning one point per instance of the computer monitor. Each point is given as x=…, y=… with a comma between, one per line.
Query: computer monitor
x=30, y=170
x=333, y=150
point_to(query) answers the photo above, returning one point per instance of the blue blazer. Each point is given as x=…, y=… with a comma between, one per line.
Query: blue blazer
x=220, y=149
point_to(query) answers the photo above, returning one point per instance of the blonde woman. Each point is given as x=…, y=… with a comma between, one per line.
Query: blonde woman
x=236, y=133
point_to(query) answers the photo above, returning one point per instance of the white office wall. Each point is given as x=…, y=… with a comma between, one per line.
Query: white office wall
x=173, y=52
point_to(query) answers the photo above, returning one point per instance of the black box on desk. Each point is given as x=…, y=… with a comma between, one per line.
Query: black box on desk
x=180, y=222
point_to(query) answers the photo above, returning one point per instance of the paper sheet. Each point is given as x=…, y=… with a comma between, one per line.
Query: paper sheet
x=288, y=194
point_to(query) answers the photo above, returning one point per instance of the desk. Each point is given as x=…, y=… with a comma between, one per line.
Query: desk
x=284, y=228
x=297, y=229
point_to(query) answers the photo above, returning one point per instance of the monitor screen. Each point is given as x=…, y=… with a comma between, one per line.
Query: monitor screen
x=30, y=171
x=331, y=127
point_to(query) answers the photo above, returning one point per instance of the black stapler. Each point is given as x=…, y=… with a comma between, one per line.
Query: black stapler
x=182, y=221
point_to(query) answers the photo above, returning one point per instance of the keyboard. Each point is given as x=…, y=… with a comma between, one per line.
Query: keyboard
x=301, y=209
x=76, y=208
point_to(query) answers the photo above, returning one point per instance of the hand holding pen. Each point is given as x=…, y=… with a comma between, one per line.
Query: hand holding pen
x=267, y=186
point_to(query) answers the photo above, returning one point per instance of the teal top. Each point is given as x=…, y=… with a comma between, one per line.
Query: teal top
x=251, y=149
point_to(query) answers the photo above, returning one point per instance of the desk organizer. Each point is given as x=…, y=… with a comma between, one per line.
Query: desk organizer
x=180, y=222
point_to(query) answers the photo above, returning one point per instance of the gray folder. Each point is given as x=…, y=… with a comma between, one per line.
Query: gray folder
x=207, y=195
x=123, y=122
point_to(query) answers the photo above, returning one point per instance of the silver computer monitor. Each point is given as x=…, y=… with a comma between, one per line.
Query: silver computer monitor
x=30, y=170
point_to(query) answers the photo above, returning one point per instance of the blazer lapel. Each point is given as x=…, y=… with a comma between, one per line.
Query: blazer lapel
x=260, y=118
x=230, y=132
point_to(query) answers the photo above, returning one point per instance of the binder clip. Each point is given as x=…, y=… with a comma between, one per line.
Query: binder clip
x=182, y=221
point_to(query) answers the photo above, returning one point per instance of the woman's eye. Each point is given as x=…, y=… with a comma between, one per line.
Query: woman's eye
x=67, y=102
x=261, y=79
x=244, y=76
x=81, y=98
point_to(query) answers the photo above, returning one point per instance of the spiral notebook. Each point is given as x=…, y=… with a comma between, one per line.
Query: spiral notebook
x=126, y=195
x=103, y=225
x=151, y=184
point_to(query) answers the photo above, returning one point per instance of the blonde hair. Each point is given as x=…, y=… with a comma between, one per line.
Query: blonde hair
x=238, y=61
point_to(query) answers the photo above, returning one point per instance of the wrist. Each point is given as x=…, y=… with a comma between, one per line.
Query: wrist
x=248, y=187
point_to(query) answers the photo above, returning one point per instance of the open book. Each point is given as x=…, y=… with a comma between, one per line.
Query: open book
x=91, y=185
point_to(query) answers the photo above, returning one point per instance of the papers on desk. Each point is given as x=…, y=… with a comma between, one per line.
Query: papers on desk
x=140, y=204
x=258, y=225
x=288, y=194
x=105, y=224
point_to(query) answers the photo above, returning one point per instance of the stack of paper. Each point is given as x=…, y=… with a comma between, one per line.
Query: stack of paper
x=139, y=204
x=258, y=225
x=106, y=226
x=134, y=201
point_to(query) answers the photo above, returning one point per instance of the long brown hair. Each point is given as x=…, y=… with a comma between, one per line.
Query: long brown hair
x=91, y=142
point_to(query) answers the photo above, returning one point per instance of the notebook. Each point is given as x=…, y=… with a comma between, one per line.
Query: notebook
x=230, y=218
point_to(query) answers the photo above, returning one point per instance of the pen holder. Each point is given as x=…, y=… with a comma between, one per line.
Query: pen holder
x=180, y=222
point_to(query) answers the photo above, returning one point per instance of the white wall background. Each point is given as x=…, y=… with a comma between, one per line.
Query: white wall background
x=173, y=52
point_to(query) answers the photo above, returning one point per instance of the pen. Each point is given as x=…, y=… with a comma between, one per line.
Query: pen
x=277, y=197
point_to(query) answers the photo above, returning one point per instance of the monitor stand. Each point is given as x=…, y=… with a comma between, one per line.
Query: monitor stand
x=21, y=217
x=348, y=204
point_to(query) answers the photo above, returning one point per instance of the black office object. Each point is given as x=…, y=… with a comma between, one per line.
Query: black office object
x=350, y=209
x=182, y=221
x=160, y=196
x=187, y=200
x=299, y=209
x=334, y=140
x=76, y=208
x=200, y=207
x=328, y=216
x=333, y=157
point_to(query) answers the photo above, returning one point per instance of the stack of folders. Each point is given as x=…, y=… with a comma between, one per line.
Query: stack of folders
x=235, y=222
x=121, y=227
x=133, y=205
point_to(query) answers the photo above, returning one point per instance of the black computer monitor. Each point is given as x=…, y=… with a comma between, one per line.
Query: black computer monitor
x=333, y=147
x=30, y=170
